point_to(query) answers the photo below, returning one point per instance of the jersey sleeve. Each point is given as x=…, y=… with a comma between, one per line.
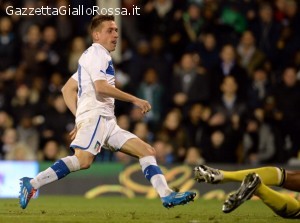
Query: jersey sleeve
x=97, y=67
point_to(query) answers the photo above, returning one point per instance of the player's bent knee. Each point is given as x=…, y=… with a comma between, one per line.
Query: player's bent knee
x=84, y=166
x=85, y=162
x=85, y=159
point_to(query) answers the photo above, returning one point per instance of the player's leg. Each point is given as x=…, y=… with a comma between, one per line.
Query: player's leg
x=61, y=168
x=281, y=204
x=272, y=176
x=58, y=170
x=128, y=143
x=292, y=180
x=146, y=154
x=84, y=145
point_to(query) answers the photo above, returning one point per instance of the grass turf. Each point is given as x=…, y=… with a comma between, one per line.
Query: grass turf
x=63, y=209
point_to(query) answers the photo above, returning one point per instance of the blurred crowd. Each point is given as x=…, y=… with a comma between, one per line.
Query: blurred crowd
x=222, y=77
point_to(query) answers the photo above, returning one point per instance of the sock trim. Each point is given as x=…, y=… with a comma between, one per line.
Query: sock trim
x=281, y=172
x=146, y=161
x=72, y=163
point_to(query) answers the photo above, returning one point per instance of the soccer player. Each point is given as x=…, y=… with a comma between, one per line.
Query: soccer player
x=90, y=94
x=257, y=182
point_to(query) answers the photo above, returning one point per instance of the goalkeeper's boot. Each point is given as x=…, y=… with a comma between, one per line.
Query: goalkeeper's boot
x=177, y=198
x=26, y=191
x=207, y=174
x=247, y=189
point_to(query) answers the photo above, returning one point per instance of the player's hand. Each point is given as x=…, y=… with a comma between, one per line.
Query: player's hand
x=72, y=134
x=143, y=105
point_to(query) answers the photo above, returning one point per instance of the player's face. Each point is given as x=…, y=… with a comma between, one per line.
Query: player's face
x=108, y=35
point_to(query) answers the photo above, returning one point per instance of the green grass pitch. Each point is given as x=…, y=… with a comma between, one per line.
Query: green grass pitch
x=72, y=209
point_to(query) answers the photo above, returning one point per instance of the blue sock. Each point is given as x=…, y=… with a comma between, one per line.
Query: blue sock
x=151, y=170
x=60, y=168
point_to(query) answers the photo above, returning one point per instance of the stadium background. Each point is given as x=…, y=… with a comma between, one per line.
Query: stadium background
x=222, y=77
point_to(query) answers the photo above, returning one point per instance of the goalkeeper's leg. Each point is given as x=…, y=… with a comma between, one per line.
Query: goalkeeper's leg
x=272, y=176
x=282, y=204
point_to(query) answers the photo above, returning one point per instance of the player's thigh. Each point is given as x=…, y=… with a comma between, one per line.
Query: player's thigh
x=85, y=158
x=126, y=142
x=292, y=181
x=137, y=148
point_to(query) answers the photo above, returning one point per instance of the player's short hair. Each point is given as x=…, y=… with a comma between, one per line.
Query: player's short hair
x=99, y=19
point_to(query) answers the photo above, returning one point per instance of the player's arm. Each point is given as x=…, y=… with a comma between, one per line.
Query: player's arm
x=69, y=92
x=102, y=87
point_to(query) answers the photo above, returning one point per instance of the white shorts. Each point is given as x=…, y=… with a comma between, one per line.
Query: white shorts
x=95, y=133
